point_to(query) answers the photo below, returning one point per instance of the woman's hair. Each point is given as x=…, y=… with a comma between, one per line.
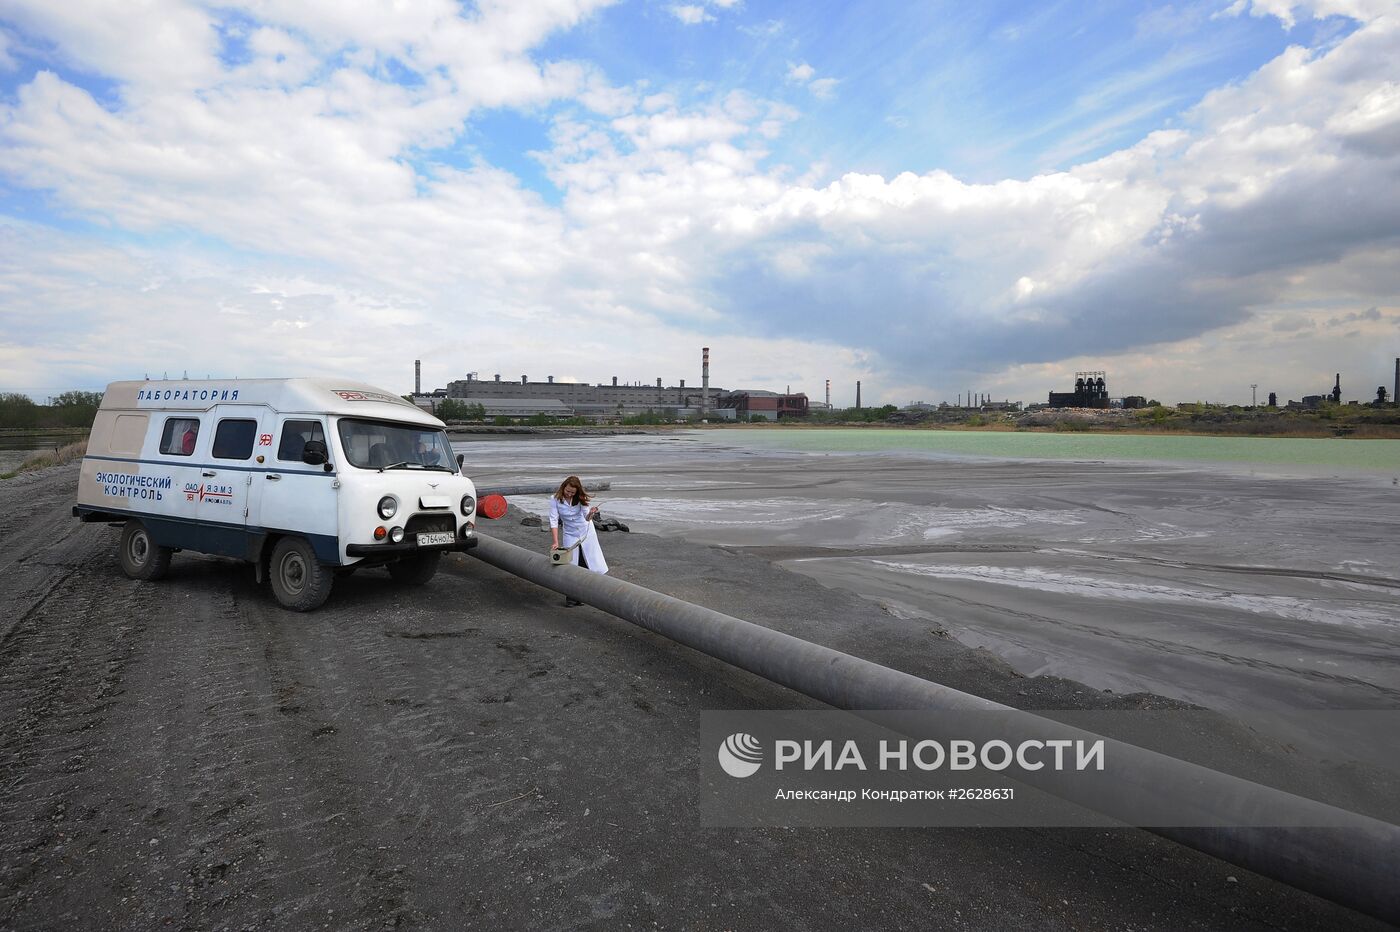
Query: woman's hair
x=580, y=496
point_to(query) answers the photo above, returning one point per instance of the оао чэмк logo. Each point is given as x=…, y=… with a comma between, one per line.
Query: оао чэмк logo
x=740, y=755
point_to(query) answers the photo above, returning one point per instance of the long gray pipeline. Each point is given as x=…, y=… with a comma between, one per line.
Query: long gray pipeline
x=538, y=489
x=1349, y=858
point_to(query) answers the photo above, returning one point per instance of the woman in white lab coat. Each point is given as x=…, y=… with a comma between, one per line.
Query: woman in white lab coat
x=569, y=523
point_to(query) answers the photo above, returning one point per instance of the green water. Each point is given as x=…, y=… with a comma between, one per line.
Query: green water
x=1341, y=453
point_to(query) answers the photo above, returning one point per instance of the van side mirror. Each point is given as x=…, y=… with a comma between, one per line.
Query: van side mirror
x=461, y=458
x=314, y=453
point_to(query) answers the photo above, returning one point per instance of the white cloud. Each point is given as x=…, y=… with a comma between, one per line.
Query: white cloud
x=595, y=93
x=671, y=129
x=182, y=311
x=804, y=74
x=1280, y=9
x=768, y=29
x=1288, y=11
x=278, y=58
x=801, y=72
x=1373, y=123
x=165, y=44
x=7, y=59
x=691, y=15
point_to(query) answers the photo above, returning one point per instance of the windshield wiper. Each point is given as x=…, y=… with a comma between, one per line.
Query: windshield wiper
x=406, y=464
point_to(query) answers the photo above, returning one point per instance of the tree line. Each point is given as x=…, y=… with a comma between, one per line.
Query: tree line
x=69, y=410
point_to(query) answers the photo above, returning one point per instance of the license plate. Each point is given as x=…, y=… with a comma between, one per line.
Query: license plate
x=437, y=537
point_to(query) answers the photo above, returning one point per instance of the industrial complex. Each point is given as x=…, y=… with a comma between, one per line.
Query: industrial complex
x=615, y=401
x=606, y=402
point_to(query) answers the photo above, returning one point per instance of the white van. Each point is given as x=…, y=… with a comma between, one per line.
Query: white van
x=305, y=478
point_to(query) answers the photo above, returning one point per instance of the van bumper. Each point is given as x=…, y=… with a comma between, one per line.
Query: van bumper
x=408, y=548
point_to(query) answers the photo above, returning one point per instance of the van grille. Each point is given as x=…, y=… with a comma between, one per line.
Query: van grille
x=438, y=522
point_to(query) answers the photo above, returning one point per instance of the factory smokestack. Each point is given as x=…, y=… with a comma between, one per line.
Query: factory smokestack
x=1395, y=396
x=828, y=385
x=857, y=394
x=417, y=376
x=704, y=381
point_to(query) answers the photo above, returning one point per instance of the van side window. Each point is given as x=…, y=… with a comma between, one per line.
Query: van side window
x=179, y=436
x=233, y=439
x=295, y=435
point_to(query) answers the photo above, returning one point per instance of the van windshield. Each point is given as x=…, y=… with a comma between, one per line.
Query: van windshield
x=382, y=445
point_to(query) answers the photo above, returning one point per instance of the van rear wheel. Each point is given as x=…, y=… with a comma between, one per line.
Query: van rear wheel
x=141, y=557
x=299, y=582
x=415, y=570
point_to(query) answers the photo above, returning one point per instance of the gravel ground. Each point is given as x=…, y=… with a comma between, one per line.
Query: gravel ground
x=186, y=755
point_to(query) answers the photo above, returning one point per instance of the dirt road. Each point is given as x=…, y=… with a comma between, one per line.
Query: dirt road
x=186, y=755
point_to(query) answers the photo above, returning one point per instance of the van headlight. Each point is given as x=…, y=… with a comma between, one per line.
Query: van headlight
x=388, y=507
x=468, y=505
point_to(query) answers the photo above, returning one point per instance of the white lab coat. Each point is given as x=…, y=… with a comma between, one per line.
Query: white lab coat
x=573, y=524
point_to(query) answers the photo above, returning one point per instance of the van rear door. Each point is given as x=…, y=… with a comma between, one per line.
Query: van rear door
x=298, y=498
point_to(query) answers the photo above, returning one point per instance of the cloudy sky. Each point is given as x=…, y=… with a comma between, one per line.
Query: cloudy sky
x=930, y=197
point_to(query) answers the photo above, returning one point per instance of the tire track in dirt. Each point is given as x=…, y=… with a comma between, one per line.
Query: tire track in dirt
x=235, y=780
x=147, y=747
x=44, y=544
x=60, y=682
x=245, y=771
x=378, y=688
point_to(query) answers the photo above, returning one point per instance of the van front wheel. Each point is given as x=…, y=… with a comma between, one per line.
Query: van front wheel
x=141, y=557
x=299, y=582
x=416, y=570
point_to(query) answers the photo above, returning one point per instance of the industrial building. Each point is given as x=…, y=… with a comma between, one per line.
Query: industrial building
x=1090, y=391
x=769, y=405
x=610, y=402
x=579, y=399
